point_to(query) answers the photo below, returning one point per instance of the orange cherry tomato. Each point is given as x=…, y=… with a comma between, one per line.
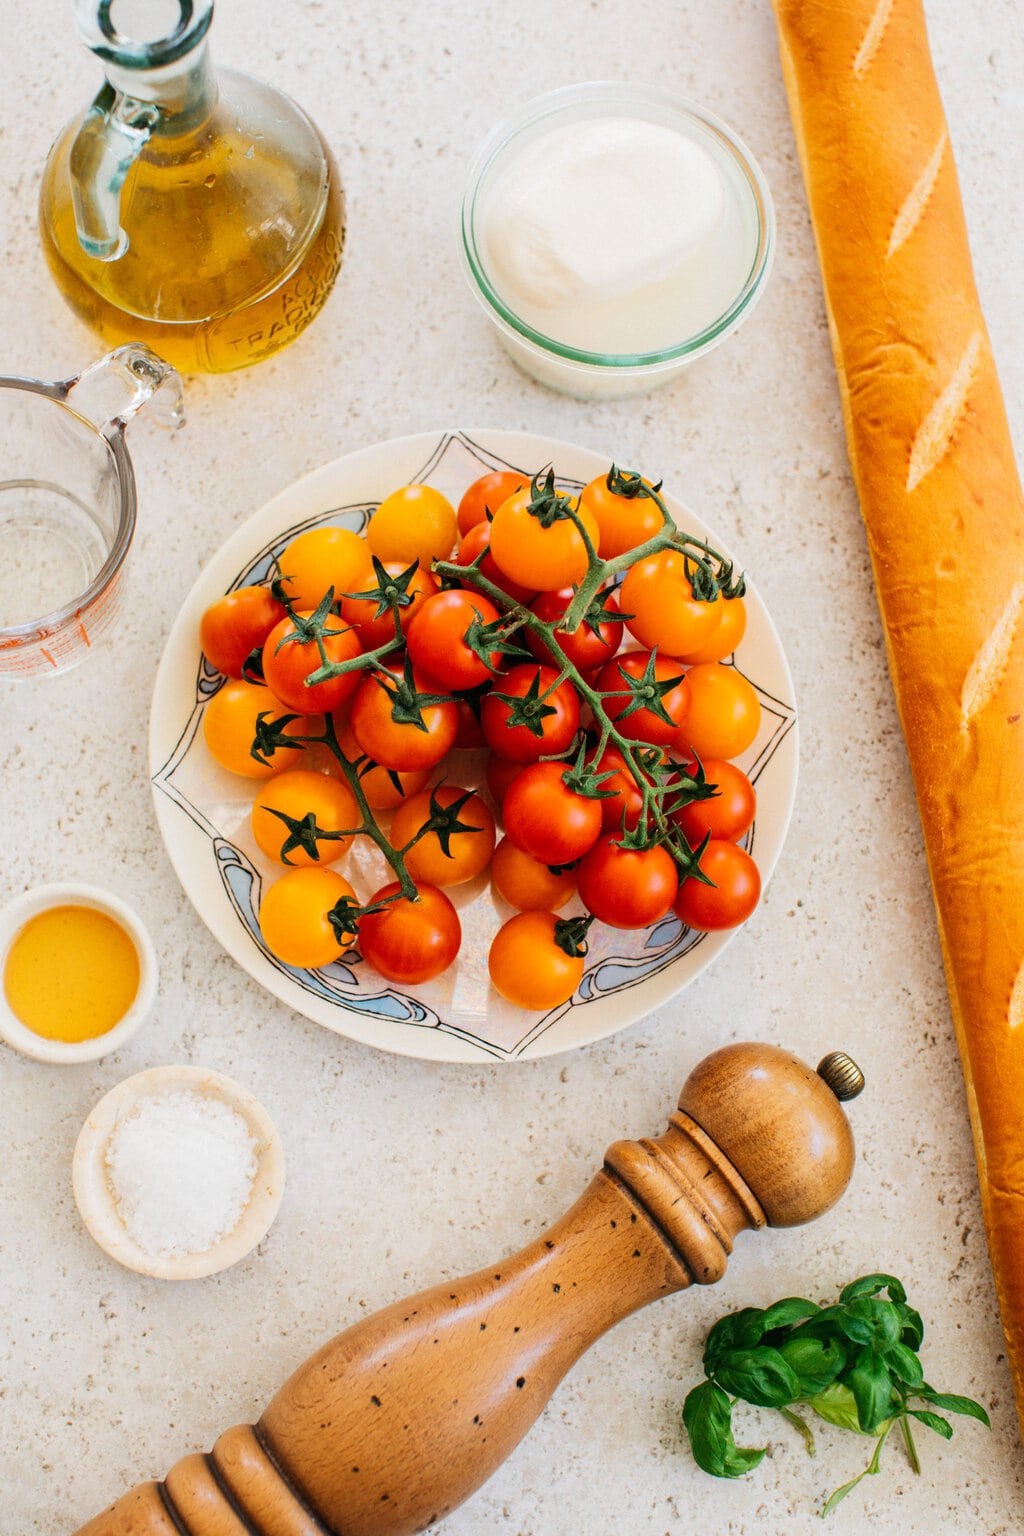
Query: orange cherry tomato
x=377, y=783
x=725, y=712
x=469, y=852
x=543, y=558
x=237, y=624
x=294, y=917
x=727, y=636
x=645, y=724
x=414, y=523
x=528, y=966
x=437, y=639
x=406, y=745
x=323, y=558
x=666, y=616
x=477, y=540
x=728, y=814
x=486, y=496
x=548, y=819
x=623, y=521
x=555, y=714
x=526, y=883
x=730, y=900
x=410, y=941
x=297, y=794
x=288, y=660
x=627, y=887
x=374, y=628
x=230, y=720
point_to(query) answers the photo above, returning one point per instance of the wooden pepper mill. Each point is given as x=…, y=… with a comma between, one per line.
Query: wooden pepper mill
x=396, y=1421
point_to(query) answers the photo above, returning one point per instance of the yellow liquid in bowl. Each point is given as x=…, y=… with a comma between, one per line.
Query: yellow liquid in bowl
x=71, y=974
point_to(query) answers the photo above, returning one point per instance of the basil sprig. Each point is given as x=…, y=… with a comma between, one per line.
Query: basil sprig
x=855, y=1364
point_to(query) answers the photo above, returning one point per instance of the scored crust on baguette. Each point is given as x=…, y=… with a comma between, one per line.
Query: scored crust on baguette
x=934, y=468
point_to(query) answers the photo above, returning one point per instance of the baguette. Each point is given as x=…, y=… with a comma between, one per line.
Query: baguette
x=941, y=499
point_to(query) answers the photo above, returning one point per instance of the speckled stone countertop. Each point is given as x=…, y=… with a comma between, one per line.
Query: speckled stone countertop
x=401, y=1173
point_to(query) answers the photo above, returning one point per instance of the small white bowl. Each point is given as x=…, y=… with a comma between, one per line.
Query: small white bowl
x=94, y=1194
x=20, y=911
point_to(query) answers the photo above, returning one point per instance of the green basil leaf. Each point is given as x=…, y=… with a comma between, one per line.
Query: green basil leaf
x=871, y=1385
x=836, y=1320
x=793, y=1309
x=882, y=1316
x=759, y=1376
x=817, y=1362
x=737, y=1330
x=870, y=1285
x=953, y=1403
x=913, y=1328
x=941, y=1426
x=707, y=1418
x=903, y=1363
x=836, y=1405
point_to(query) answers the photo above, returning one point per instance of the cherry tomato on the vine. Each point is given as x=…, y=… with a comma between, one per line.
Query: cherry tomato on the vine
x=527, y=964
x=665, y=615
x=539, y=556
x=486, y=496
x=526, y=883
x=726, y=637
x=313, y=803
x=468, y=850
x=623, y=521
x=624, y=803
x=294, y=917
x=726, y=815
x=548, y=819
x=438, y=643
x=549, y=715
x=733, y=896
x=627, y=887
x=589, y=646
x=414, y=523
x=324, y=558
x=404, y=744
x=375, y=629
x=230, y=722
x=237, y=624
x=410, y=941
x=725, y=712
x=477, y=540
x=377, y=783
x=661, y=683
x=288, y=660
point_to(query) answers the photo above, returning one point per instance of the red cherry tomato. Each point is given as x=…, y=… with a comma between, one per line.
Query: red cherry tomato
x=235, y=625
x=726, y=815
x=500, y=773
x=546, y=818
x=588, y=647
x=470, y=733
x=733, y=896
x=623, y=806
x=644, y=724
x=627, y=887
x=288, y=660
x=402, y=744
x=477, y=540
x=410, y=941
x=375, y=629
x=437, y=639
x=486, y=496
x=556, y=714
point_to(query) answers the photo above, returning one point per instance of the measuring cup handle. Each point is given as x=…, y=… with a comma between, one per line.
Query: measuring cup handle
x=111, y=390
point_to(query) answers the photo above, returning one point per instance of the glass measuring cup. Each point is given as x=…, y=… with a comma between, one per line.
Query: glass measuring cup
x=68, y=503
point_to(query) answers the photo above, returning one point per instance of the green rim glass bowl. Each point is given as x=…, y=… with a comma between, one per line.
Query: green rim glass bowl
x=571, y=369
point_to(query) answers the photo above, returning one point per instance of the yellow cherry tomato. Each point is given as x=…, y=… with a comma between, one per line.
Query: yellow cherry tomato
x=229, y=729
x=538, y=557
x=724, y=713
x=322, y=558
x=298, y=794
x=413, y=523
x=665, y=615
x=294, y=917
x=726, y=637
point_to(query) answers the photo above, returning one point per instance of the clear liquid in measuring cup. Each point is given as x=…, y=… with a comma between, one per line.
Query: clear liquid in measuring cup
x=51, y=549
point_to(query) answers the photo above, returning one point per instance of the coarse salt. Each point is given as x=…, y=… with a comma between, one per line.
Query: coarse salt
x=181, y=1166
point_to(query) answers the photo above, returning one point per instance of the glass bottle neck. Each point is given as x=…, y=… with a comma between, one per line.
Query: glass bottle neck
x=183, y=92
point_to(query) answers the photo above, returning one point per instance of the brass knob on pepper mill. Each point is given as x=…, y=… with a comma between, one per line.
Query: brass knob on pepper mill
x=396, y=1421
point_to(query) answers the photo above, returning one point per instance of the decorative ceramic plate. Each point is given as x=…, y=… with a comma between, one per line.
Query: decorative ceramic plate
x=203, y=811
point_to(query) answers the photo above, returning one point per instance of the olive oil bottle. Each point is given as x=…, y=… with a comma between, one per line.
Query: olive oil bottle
x=198, y=212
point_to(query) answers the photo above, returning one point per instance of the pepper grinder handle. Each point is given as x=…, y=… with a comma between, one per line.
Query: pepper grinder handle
x=397, y=1420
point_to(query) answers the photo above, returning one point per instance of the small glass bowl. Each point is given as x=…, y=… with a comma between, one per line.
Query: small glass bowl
x=41, y=898
x=572, y=370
